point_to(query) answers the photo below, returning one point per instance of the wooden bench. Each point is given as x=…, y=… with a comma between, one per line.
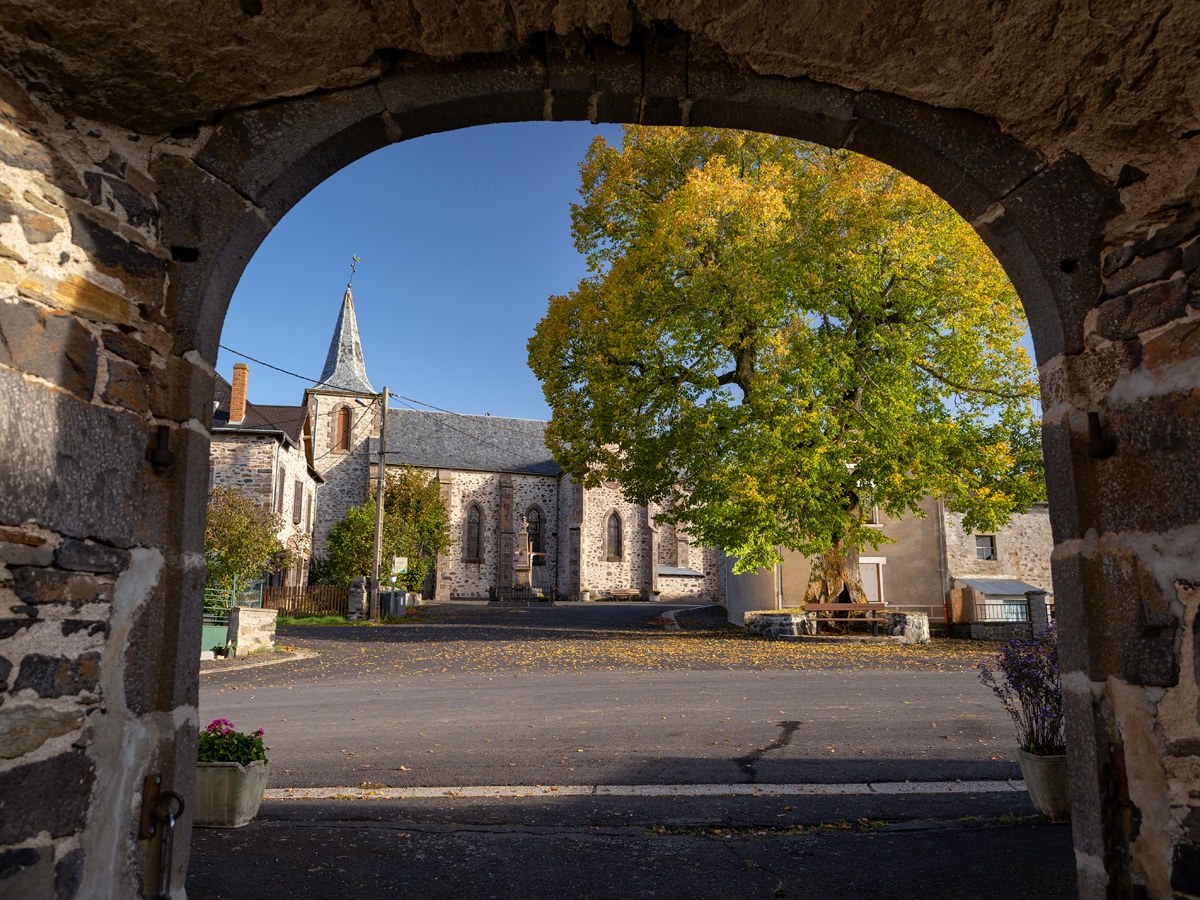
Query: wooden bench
x=624, y=594
x=857, y=612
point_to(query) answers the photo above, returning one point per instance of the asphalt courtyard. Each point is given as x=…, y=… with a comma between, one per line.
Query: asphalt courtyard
x=588, y=751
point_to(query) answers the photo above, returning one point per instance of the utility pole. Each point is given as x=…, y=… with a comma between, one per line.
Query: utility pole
x=373, y=601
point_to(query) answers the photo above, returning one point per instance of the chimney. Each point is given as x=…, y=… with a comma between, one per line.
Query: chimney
x=237, y=398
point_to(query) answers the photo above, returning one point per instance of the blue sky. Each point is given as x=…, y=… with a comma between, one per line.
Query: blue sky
x=463, y=237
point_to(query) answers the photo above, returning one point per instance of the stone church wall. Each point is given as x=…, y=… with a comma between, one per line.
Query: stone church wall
x=632, y=571
x=459, y=578
x=465, y=578
x=346, y=474
x=542, y=492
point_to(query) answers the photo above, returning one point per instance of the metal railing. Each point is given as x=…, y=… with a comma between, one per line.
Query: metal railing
x=218, y=600
x=1012, y=610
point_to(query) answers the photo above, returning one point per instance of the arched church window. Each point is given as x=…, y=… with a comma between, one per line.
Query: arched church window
x=537, y=546
x=472, y=534
x=612, y=537
x=341, y=429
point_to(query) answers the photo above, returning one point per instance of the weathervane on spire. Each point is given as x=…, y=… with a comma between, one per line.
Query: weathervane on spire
x=354, y=261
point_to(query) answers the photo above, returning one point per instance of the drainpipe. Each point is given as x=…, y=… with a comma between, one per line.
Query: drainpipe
x=779, y=580
x=558, y=536
x=941, y=524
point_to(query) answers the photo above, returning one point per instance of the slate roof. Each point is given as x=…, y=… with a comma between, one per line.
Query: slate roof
x=679, y=571
x=344, y=367
x=474, y=443
x=999, y=587
x=287, y=420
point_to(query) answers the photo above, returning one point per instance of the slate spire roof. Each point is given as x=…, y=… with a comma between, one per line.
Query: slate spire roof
x=344, y=366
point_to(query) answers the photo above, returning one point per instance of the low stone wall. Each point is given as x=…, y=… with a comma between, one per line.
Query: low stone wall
x=672, y=588
x=913, y=627
x=251, y=630
x=990, y=631
x=775, y=624
x=909, y=627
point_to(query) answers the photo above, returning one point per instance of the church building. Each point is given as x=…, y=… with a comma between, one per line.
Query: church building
x=499, y=482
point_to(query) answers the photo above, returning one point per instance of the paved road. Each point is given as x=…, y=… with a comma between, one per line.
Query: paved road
x=596, y=696
x=584, y=851
x=377, y=707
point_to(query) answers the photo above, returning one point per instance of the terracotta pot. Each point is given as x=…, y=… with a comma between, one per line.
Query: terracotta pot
x=1046, y=780
x=228, y=794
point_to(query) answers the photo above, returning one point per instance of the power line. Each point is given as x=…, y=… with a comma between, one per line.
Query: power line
x=477, y=438
x=280, y=369
x=410, y=401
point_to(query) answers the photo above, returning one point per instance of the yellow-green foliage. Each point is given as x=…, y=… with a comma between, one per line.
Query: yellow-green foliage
x=241, y=539
x=776, y=337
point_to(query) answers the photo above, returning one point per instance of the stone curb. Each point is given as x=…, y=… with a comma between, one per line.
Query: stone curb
x=670, y=614
x=256, y=664
x=645, y=790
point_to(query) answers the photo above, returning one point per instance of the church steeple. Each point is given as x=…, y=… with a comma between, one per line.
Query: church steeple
x=344, y=366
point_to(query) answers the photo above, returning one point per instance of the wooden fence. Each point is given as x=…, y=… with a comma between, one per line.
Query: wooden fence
x=326, y=600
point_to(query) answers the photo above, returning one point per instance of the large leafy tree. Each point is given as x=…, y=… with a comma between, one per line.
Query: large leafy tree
x=241, y=538
x=776, y=338
x=415, y=525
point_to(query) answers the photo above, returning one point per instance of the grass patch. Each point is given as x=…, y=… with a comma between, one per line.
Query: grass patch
x=312, y=620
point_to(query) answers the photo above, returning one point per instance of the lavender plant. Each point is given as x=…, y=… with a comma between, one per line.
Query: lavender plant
x=1025, y=676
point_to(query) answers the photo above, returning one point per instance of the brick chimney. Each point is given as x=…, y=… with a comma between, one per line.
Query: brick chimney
x=237, y=398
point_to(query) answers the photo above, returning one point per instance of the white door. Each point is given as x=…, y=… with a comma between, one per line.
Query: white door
x=871, y=570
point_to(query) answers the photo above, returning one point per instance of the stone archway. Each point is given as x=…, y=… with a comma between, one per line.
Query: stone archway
x=123, y=246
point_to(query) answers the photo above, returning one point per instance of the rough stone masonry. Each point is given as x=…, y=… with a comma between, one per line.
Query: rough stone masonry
x=140, y=170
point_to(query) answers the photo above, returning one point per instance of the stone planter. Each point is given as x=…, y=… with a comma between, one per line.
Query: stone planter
x=228, y=794
x=1046, y=780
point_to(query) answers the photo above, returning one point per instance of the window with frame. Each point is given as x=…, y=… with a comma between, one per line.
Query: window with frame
x=533, y=524
x=472, y=534
x=341, y=429
x=985, y=546
x=612, y=537
x=280, y=486
x=297, y=502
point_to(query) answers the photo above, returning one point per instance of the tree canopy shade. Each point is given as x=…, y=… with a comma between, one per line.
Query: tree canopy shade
x=241, y=538
x=415, y=525
x=774, y=338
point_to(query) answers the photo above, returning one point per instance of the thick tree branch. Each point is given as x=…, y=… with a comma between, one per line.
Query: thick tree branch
x=967, y=388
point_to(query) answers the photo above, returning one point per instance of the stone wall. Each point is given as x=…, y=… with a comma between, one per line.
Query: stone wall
x=460, y=578
x=246, y=462
x=259, y=465
x=598, y=573
x=1023, y=548
x=346, y=474
x=252, y=630
x=101, y=564
x=531, y=491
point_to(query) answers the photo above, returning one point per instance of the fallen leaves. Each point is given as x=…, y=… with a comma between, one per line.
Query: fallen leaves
x=572, y=651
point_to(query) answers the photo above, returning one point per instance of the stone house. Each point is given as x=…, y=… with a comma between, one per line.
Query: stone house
x=494, y=473
x=267, y=453
x=929, y=561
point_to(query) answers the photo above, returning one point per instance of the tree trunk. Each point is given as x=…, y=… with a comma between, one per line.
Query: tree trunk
x=834, y=577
